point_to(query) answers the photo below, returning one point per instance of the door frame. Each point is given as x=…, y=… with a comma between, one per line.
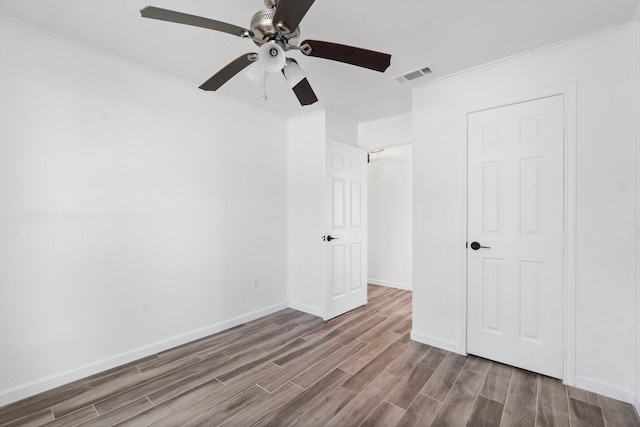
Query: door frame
x=568, y=91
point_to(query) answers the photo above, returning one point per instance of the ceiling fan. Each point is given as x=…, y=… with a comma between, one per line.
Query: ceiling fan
x=275, y=31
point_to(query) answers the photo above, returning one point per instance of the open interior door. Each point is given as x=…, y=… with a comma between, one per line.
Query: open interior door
x=346, y=238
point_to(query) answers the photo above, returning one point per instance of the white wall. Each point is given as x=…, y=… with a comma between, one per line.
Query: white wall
x=135, y=212
x=387, y=132
x=390, y=216
x=602, y=67
x=340, y=128
x=306, y=154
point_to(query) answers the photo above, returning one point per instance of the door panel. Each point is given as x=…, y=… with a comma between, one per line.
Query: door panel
x=530, y=170
x=530, y=286
x=515, y=209
x=492, y=282
x=347, y=257
x=356, y=266
x=356, y=204
x=492, y=200
x=337, y=203
x=338, y=270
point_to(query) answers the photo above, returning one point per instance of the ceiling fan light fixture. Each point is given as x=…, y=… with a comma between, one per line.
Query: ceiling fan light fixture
x=275, y=30
x=271, y=57
x=293, y=73
x=254, y=73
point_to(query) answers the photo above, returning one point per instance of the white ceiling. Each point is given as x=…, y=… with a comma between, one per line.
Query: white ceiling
x=449, y=36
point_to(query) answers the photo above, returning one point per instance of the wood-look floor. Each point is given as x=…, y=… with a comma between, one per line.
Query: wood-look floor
x=293, y=369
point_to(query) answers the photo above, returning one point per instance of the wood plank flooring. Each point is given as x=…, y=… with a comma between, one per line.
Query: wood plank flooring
x=293, y=369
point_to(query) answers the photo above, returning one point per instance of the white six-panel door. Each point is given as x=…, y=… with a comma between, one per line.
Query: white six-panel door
x=346, y=250
x=515, y=211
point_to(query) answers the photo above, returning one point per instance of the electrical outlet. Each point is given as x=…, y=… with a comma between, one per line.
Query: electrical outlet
x=256, y=282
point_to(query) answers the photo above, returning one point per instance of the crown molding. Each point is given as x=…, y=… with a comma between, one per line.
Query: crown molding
x=47, y=35
x=528, y=54
x=39, y=32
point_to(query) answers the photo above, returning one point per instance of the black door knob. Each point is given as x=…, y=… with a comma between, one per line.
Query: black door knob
x=475, y=246
x=329, y=238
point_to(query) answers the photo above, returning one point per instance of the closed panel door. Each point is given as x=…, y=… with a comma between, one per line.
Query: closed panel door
x=515, y=233
x=346, y=241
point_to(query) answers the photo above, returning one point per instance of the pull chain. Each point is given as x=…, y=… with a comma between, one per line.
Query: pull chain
x=264, y=87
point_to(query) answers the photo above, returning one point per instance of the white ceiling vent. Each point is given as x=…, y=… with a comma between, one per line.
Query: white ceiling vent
x=414, y=75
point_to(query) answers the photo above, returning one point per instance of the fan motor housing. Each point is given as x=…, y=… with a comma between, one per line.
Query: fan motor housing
x=264, y=30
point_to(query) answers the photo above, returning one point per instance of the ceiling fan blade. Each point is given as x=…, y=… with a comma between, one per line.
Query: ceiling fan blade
x=305, y=93
x=299, y=83
x=233, y=68
x=289, y=13
x=370, y=59
x=197, y=21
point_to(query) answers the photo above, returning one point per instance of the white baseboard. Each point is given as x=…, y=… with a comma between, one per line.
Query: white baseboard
x=315, y=311
x=636, y=404
x=404, y=286
x=451, y=346
x=606, y=389
x=43, y=384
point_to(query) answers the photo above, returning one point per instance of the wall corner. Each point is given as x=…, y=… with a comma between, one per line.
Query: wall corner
x=635, y=297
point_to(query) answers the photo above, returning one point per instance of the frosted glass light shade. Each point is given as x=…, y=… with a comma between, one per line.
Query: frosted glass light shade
x=271, y=57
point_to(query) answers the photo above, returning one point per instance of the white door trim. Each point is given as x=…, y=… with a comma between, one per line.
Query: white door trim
x=568, y=91
x=635, y=291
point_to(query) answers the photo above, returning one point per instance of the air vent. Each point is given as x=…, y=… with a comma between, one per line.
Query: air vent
x=414, y=75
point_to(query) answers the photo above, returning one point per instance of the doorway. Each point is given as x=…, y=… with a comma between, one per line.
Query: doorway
x=390, y=173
